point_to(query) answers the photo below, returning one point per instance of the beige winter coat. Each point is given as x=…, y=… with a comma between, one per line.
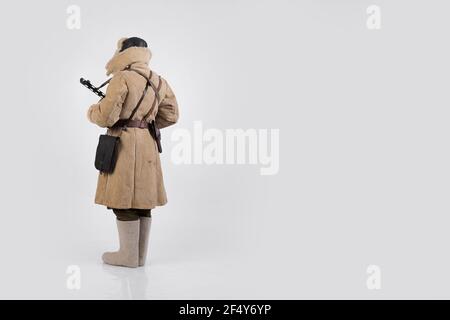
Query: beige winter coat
x=137, y=180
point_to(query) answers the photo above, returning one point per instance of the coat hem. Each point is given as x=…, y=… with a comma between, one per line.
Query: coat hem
x=111, y=206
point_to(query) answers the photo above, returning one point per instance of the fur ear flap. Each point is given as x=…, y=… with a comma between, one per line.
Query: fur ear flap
x=120, y=60
x=119, y=43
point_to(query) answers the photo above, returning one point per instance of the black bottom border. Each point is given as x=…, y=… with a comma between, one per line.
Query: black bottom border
x=225, y=309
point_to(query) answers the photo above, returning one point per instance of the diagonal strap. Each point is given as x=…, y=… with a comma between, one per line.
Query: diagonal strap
x=156, y=90
x=139, y=102
x=157, y=97
x=104, y=83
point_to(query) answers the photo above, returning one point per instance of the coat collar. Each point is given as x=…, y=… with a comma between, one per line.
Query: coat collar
x=137, y=57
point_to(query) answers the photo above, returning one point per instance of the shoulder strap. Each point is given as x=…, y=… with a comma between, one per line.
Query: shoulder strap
x=156, y=90
x=104, y=83
x=157, y=97
x=139, y=102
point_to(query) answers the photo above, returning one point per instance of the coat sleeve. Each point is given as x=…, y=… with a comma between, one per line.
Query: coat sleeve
x=168, y=109
x=106, y=112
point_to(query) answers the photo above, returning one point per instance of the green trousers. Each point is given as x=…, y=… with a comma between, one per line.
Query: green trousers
x=131, y=214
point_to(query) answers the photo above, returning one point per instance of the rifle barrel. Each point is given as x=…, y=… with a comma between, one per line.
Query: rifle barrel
x=89, y=85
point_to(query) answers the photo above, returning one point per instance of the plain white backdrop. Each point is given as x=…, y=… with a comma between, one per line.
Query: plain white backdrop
x=364, y=158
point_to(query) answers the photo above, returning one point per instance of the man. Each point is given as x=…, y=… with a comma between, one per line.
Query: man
x=136, y=185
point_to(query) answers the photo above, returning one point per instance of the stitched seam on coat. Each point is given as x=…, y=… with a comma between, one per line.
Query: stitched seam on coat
x=105, y=191
x=134, y=171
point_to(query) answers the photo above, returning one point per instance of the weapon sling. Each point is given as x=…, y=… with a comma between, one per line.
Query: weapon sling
x=152, y=128
x=107, y=148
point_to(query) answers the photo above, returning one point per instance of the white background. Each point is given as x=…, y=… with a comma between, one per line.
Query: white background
x=364, y=156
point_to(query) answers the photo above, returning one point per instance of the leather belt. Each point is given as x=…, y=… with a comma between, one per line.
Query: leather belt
x=142, y=124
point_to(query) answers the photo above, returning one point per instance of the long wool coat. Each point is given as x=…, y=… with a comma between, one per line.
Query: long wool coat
x=137, y=180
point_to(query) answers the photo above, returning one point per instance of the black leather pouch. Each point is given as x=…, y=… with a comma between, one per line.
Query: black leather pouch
x=107, y=148
x=106, y=155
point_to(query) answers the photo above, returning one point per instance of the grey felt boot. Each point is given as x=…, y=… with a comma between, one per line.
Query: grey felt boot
x=128, y=254
x=144, y=235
